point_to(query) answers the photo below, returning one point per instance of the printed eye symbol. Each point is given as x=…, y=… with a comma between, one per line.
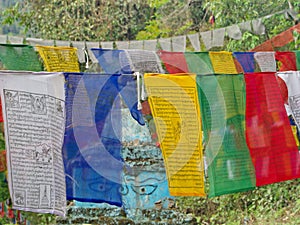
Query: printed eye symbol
x=144, y=189
x=100, y=187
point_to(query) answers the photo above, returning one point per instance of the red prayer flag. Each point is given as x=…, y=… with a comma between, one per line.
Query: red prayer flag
x=271, y=143
x=174, y=61
x=264, y=47
x=287, y=61
x=282, y=39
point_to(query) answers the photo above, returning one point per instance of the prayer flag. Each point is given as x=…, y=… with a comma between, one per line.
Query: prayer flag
x=222, y=62
x=34, y=119
x=222, y=103
x=198, y=62
x=286, y=61
x=268, y=133
x=119, y=62
x=266, y=61
x=174, y=105
x=234, y=32
x=59, y=59
x=246, y=60
x=194, y=39
x=174, y=61
x=92, y=144
x=207, y=39
x=291, y=80
x=297, y=53
x=179, y=43
x=19, y=57
x=165, y=44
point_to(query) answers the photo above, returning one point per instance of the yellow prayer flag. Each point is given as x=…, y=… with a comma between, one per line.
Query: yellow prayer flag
x=175, y=108
x=59, y=59
x=223, y=62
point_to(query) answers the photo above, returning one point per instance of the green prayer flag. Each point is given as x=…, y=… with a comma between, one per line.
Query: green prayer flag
x=297, y=53
x=222, y=103
x=19, y=57
x=199, y=62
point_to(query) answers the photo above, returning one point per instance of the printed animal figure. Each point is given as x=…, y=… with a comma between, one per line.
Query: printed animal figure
x=38, y=104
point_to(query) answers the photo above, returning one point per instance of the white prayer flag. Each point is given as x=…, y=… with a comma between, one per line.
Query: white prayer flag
x=136, y=45
x=194, y=39
x=34, y=121
x=179, y=43
x=122, y=44
x=245, y=26
x=150, y=45
x=90, y=45
x=107, y=45
x=165, y=44
x=266, y=61
x=15, y=40
x=36, y=41
x=63, y=43
x=258, y=27
x=3, y=39
x=234, y=32
x=80, y=45
x=218, y=37
x=207, y=39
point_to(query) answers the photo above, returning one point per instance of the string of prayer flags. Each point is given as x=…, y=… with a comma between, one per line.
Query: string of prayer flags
x=246, y=60
x=34, y=119
x=266, y=61
x=92, y=144
x=198, y=62
x=222, y=62
x=286, y=61
x=292, y=82
x=174, y=62
x=222, y=103
x=19, y=57
x=268, y=133
x=59, y=59
x=174, y=105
